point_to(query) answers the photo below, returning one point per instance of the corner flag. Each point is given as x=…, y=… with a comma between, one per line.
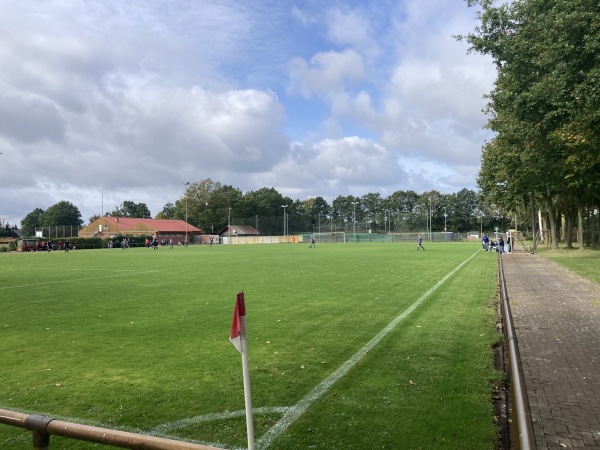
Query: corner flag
x=236, y=335
x=238, y=338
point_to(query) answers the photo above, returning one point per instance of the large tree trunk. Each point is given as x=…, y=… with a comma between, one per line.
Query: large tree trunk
x=542, y=228
x=569, y=219
x=551, y=219
x=588, y=222
x=593, y=227
x=580, y=227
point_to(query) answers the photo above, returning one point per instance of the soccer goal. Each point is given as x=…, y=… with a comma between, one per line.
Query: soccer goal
x=333, y=237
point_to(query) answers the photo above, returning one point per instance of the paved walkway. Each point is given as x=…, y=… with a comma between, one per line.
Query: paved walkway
x=557, y=321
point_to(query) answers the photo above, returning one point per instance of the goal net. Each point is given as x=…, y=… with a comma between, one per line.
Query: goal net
x=333, y=237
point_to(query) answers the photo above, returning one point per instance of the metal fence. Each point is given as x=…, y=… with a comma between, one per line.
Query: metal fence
x=522, y=425
x=44, y=427
x=56, y=232
x=340, y=237
x=301, y=223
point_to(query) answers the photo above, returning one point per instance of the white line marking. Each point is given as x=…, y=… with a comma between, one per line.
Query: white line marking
x=294, y=412
x=165, y=427
x=65, y=269
x=72, y=280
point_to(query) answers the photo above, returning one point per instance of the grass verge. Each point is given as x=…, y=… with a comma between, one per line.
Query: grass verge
x=584, y=263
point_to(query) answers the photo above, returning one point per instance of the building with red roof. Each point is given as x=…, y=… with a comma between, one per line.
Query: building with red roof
x=108, y=226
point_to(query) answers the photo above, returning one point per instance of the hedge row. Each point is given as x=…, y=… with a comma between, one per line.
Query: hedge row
x=87, y=243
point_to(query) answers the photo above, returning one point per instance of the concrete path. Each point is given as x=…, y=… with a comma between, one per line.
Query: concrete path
x=557, y=321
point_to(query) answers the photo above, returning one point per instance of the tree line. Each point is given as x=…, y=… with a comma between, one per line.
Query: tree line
x=7, y=230
x=211, y=206
x=545, y=111
x=65, y=214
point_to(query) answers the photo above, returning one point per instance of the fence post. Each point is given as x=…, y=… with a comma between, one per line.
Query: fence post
x=38, y=424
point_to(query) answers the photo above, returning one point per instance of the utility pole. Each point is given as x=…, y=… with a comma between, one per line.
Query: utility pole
x=187, y=183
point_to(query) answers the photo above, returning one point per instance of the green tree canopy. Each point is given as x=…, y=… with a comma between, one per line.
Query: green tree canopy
x=544, y=107
x=63, y=213
x=31, y=221
x=343, y=208
x=7, y=230
x=167, y=212
x=208, y=204
x=131, y=209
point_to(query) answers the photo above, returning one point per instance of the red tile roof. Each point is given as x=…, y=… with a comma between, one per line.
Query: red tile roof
x=158, y=225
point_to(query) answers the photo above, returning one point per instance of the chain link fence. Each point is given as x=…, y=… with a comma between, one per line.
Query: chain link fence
x=58, y=231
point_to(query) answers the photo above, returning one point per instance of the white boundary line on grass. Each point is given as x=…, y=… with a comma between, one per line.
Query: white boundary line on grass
x=294, y=412
x=74, y=280
x=166, y=427
x=64, y=269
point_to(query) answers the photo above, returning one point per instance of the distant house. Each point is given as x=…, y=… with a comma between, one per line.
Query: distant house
x=238, y=230
x=107, y=227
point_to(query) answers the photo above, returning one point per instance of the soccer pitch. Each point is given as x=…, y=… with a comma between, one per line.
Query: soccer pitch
x=351, y=345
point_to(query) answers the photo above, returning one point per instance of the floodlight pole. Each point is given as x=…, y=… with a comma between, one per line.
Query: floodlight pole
x=430, y=227
x=331, y=217
x=354, y=220
x=385, y=221
x=284, y=223
x=187, y=183
x=229, y=227
x=445, y=216
x=481, y=225
x=388, y=221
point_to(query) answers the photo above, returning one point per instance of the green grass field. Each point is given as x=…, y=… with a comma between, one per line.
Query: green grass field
x=138, y=340
x=585, y=264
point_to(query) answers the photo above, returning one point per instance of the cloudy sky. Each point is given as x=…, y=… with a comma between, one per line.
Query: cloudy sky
x=103, y=101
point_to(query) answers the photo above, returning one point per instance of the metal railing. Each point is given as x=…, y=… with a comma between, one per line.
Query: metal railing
x=44, y=427
x=522, y=425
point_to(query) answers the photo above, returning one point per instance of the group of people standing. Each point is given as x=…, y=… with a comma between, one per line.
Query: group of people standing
x=49, y=246
x=499, y=246
x=153, y=243
x=150, y=243
x=124, y=244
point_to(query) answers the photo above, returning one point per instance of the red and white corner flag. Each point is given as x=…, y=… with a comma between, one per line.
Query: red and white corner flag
x=238, y=338
x=235, y=336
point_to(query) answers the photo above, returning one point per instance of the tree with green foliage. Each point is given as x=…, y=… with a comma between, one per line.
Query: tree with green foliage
x=167, y=212
x=30, y=222
x=8, y=231
x=462, y=208
x=208, y=205
x=402, y=201
x=131, y=209
x=545, y=105
x=343, y=208
x=315, y=209
x=63, y=213
x=373, y=210
x=266, y=202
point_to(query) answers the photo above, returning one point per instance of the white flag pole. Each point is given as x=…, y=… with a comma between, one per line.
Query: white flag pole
x=246, y=374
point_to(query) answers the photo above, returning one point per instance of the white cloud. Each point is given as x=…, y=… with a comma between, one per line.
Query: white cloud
x=235, y=130
x=326, y=74
x=133, y=98
x=352, y=29
x=333, y=167
x=29, y=118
